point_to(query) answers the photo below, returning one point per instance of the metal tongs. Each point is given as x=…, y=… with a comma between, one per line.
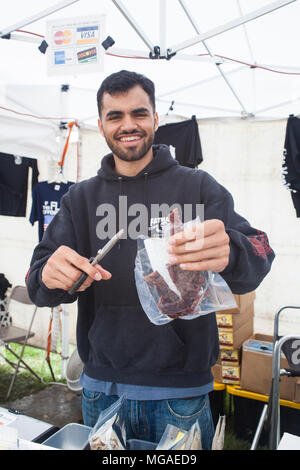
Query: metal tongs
x=100, y=254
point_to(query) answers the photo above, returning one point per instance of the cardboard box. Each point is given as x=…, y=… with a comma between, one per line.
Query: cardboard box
x=229, y=357
x=226, y=374
x=230, y=338
x=243, y=302
x=256, y=373
x=233, y=321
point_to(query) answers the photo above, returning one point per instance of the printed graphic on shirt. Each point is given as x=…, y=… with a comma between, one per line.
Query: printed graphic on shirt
x=157, y=225
x=50, y=208
x=260, y=244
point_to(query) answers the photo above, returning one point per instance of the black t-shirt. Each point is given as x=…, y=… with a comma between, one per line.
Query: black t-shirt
x=184, y=141
x=291, y=161
x=14, y=183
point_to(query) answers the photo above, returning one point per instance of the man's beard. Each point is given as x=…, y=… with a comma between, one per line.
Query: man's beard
x=130, y=155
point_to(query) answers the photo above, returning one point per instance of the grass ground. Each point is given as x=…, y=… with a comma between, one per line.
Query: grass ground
x=27, y=384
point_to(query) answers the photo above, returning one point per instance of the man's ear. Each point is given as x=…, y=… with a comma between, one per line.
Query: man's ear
x=156, y=119
x=100, y=126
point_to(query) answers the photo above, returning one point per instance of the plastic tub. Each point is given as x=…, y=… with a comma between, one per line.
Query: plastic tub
x=136, y=444
x=217, y=401
x=73, y=436
x=248, y=408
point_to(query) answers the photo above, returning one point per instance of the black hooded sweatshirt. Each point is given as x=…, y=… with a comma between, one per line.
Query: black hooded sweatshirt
x=115, y=339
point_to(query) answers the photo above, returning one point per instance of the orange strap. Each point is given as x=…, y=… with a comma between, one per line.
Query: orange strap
x=70, y=125
x=49, y=339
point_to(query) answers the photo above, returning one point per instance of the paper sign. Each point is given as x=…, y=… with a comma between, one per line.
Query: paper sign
x=74, y=45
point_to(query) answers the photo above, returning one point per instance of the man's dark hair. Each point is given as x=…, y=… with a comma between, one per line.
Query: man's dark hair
x=123, y=81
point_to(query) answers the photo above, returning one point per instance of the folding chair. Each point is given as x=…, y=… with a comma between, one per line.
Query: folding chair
x=12, y=334
x=270, y=416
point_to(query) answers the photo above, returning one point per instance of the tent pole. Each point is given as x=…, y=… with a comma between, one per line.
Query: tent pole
x=133, y=23
x=230, y=25
x=25, y=38
x=64, y=339
x=37, y=16
x=163, y=27
x=279, y=105
x=201, y=82
x=196, y=28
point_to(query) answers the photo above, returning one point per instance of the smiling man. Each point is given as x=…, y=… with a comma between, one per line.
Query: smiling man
x=128, y=122
x=164, y=371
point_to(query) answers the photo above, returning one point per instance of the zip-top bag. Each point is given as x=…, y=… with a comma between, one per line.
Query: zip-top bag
x=166, y=291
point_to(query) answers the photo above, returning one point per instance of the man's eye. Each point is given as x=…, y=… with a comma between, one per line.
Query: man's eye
x=141, y=114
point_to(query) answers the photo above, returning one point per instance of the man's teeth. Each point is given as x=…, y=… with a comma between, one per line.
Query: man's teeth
x=128, y=139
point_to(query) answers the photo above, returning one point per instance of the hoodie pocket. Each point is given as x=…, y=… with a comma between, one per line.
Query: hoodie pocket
x=122, y=337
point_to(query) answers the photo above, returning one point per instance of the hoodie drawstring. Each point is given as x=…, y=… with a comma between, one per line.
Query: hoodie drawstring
x=145, y=189
x=120, y=194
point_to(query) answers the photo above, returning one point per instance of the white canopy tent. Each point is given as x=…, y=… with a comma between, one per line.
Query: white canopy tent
x=209, y=59
x=230, y=62
x=216, y=58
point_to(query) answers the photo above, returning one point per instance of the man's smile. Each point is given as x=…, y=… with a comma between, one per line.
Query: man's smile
x=130, y=139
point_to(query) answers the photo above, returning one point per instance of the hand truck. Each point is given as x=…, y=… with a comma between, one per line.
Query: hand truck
x=270, y=416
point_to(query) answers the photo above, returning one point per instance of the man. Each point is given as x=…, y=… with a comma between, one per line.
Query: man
x=165, y=371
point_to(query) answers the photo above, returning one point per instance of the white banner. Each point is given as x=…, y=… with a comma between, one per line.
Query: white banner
x=74, y=45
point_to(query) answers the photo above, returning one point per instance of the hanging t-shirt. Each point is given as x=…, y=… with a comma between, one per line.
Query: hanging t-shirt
x=14, y=183
x=46, y=203
x=184, y=141
x=291, y=161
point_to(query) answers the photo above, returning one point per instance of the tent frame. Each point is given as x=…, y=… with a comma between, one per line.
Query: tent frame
x=162, y=51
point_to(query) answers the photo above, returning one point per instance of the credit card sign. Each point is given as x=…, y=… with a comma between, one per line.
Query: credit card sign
x=87, y=34
x=75, y=45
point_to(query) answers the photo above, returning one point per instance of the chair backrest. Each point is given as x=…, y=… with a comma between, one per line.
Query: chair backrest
x=20, y=294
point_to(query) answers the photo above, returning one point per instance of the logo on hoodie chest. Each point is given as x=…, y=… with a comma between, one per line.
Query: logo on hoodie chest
x=157, y=225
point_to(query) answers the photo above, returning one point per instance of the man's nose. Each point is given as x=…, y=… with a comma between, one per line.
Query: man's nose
x=128, y=124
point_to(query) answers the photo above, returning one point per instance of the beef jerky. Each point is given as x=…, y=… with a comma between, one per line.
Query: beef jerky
x=188, y=283
x=157, y=281
x=183, y=308
x=175, y=222
x=169, y=302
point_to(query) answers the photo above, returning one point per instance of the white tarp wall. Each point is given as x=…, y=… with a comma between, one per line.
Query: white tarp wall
x=243, y=155
x=18, y=237
x=246, y=157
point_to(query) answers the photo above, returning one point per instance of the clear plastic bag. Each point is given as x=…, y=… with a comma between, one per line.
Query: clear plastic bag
x=109, y=432
x=168, y=292
x=175, y=438
x=171, y=438
x=219, y=437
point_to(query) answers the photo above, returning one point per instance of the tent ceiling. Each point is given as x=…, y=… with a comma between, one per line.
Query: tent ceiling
x=195, y=83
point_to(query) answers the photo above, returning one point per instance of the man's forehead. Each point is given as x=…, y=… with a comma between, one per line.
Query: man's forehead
x=133, y=98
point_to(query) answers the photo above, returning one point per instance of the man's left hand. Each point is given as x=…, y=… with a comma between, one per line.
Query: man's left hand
x=201, y=247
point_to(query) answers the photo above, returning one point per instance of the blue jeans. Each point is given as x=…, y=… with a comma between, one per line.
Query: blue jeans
x=147, y=420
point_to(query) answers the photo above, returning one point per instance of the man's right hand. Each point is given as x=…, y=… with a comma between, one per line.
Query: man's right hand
x=65, y=266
